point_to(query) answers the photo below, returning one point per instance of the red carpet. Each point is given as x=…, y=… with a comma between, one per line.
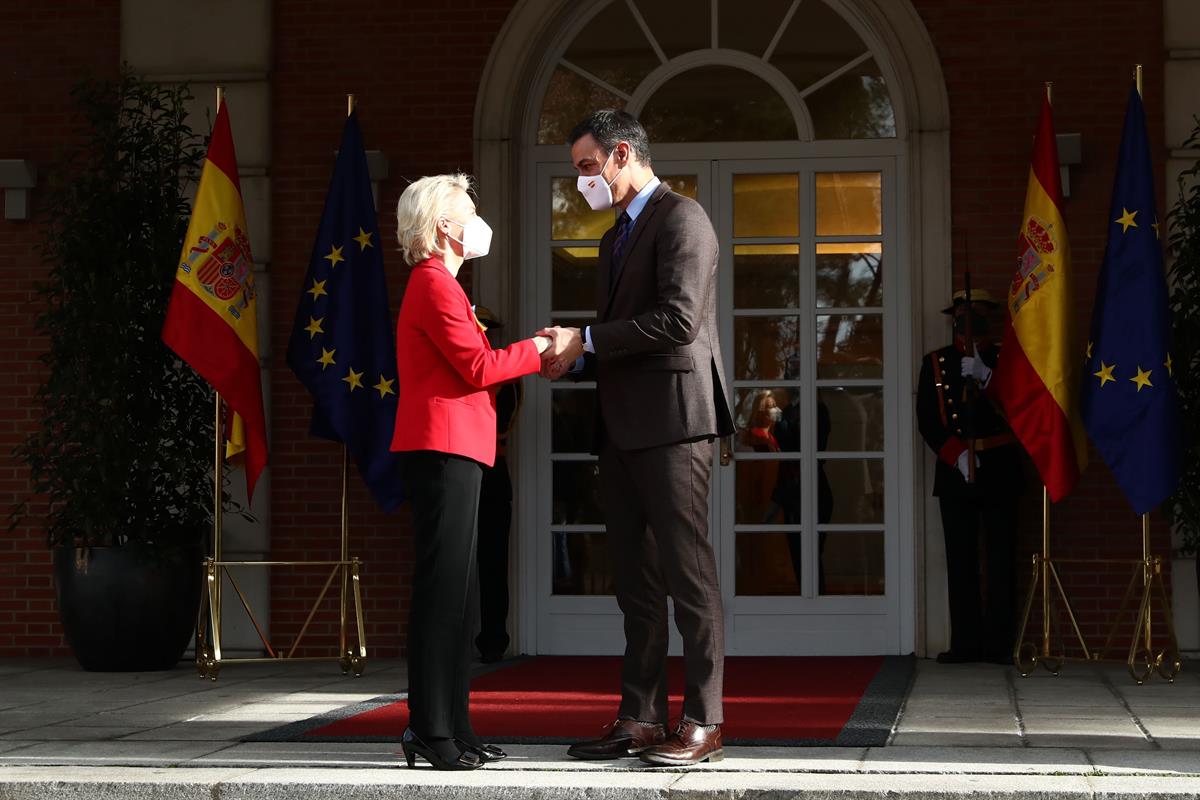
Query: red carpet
x=809, y=700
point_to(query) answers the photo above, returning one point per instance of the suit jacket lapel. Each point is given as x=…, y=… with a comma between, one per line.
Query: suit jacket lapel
x=639, y=225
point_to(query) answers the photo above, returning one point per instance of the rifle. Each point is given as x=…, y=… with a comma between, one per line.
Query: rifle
x=971, y=388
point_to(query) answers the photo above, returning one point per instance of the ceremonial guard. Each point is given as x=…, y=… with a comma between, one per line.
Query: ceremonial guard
x=977, y=482
x=495, y=516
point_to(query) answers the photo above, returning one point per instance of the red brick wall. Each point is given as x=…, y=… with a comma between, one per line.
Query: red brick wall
x=47, y=47
x=415, y=67
x=995, y=57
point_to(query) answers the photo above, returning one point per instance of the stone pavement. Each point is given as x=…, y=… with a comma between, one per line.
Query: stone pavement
x=970, y=730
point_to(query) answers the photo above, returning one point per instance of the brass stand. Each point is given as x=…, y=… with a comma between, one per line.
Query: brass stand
x=209, y=657
x=1027, y=655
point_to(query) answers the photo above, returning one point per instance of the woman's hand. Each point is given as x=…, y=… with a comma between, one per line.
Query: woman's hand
x=542, y=343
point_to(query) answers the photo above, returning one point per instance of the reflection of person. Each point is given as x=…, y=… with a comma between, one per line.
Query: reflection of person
x=495, y=516
x=981, y=628
x=654, y=354
x=446, y=432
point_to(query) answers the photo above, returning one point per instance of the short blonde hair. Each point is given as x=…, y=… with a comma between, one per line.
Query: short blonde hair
x=421, y=205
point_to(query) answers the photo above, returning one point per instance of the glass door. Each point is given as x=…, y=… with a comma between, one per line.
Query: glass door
x=576, y=611
x=807, y=510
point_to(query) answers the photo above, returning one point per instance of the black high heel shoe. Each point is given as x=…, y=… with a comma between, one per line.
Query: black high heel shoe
x=445, y=754
x=486, y=752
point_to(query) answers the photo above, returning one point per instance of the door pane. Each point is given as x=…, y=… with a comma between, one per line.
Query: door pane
x=766, y=205
x=766, y=276
x=851, y=563
x=573, y=278
x=768, y=492
x=581, y=564
x=850, y=346
x=686, y=185
x=576, y=493
x=766, y=348
x=855, y=490
x=849, y=204
x=572, y=420
x=768, y=563
x=849, y=274
x=850, y=418
x=571, y=218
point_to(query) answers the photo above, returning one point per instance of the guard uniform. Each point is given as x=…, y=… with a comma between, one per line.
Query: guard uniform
x=981, y=600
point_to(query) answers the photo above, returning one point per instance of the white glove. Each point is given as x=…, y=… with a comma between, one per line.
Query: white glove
x=973, y=367
x=963, y=462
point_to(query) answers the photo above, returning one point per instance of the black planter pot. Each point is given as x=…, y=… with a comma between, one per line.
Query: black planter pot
x=128, y=609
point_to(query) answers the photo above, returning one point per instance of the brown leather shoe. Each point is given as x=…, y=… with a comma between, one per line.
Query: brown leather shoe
x=689, y=744
x=626, y=737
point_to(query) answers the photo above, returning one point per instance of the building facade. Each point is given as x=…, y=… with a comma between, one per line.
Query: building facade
x=853, y=155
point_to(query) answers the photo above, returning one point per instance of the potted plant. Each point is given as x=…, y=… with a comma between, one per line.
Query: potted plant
x=122, y=455
x=1183, y=245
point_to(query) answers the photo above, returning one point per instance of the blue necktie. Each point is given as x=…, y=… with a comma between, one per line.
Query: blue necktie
x=624, y=224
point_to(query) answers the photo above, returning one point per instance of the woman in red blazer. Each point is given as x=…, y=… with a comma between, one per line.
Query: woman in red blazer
x=446, y=429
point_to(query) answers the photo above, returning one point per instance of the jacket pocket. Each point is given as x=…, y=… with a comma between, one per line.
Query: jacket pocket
x=668, y=362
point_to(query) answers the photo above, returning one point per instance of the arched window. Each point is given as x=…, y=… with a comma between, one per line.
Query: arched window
x=703, y=71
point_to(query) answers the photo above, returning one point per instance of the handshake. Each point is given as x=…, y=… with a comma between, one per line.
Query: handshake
x=559, y=348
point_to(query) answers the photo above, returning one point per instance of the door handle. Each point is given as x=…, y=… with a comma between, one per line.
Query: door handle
x=726, y=451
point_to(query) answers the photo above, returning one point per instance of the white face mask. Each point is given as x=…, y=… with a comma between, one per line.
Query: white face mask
x=477, y=237
x=775, y=414
x=596, y=190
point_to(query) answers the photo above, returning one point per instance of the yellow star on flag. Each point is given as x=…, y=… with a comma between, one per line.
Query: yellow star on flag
x=1105, y=374
x=385, y=386
x=363, y=239
x=326, y=358
x=1155, y=226
x=1170, y=366
x=335, y=255
x=1126, y=219
x=1142, y=378
x=318, y=289
x=354, y=379
x=1089, y=350
x=314, y=326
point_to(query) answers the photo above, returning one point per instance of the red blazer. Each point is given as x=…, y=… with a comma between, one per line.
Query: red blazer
x=448, y=372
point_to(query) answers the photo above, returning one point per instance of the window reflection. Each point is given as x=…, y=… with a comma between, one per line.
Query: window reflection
x=573, y=278
x=571, y=218
x=679, y=26
x=853, y=106
x=576, y=493
x=816, y=43
x=685, y=185
x=851, y=563
x=713, y=104
x=767, y=563
x=620, y=61
x=849, y=203
x=856, y=490
x=766, y=205
x=750, y=26
x=572, y=420
x=569, y=98
x=766, y=276
x=856, y=418
x=766, y=348
x=849, y=274
x=582, y=565
x=850, y=346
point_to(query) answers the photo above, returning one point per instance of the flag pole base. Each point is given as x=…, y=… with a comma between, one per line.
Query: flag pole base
x=1048, y=651
x=351, y=657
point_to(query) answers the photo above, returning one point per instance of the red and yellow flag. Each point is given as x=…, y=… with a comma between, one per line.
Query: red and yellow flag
x=1037, y=378
x=211, y=320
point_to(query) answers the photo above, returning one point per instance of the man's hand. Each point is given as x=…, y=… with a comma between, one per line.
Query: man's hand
x=567, y=345
x=551, y=370
x=973, y=367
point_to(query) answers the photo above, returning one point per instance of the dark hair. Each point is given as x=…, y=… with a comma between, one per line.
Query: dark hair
x=609, y=127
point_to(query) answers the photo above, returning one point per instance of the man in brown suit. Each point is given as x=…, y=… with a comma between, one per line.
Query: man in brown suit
x=654, y=354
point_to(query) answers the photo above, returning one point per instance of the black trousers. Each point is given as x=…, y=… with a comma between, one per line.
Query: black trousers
x=444, y=492
x=981, y=601
x=656, y=510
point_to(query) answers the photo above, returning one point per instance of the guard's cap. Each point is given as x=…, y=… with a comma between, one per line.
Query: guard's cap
x=978, y=296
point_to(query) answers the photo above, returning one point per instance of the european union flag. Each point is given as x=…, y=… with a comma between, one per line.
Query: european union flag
x=1129, y=403
x=343, y=348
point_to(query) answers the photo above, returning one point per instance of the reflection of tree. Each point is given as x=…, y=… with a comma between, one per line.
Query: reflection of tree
x=855, y=106
x=762, y=345
x=850, y=345
x=569, y=98
x=849, y=279
x=709, y=104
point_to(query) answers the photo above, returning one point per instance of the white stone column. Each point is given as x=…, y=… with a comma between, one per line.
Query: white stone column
x=168, y=41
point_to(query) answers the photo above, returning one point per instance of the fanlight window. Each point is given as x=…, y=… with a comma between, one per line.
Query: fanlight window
x=722, y=70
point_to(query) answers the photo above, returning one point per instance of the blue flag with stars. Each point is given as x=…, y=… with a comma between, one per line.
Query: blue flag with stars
x=1129, y=403
x=343, y=348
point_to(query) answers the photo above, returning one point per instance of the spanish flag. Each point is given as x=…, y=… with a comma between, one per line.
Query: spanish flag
x=212, y=320
x=1037, y=377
